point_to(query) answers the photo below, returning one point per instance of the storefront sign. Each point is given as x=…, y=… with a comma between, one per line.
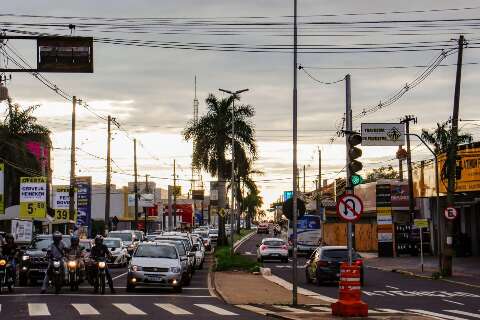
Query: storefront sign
x=383, y=134
x=61, y=204
x=33, y=197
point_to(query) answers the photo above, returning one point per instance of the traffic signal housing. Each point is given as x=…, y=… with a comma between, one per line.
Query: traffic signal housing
x=354, y=153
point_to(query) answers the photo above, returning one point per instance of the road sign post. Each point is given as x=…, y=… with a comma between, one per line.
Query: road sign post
x=349, y=208
x=420, y=224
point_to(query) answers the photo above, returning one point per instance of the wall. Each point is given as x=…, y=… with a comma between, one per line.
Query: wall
x=335, y=234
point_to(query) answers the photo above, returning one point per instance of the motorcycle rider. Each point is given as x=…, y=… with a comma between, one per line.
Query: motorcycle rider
x=55, y=251
x=99, y=250
x=77, y=252
x=11, y=252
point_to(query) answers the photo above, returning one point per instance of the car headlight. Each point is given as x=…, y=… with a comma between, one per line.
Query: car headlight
x=25, y=258
x=3, y=262
x=136, y=268
x=56, y=264
x=101, y=265
x=72, y=264
x=175, y=269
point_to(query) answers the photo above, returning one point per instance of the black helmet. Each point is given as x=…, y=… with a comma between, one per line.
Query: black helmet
x=98, y=240
x=74, y=240
x=9, y=237
x=57, y=237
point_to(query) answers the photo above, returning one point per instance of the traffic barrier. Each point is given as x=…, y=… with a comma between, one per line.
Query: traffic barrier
x=349, y=303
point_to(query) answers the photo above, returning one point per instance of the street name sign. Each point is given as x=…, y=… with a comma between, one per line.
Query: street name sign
x=450, y=213
x=349, y=207
x=383, y=134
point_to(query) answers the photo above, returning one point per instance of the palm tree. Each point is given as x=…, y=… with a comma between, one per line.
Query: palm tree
x=441, y=137
x=252, y=203
x=212, y=139
x=19, y=127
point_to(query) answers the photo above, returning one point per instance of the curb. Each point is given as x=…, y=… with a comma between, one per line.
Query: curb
x=238, y=243
x=211, y=282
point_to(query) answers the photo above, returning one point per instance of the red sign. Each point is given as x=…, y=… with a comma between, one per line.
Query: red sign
x=349, y=207
x=186, y=212
x=450, y=213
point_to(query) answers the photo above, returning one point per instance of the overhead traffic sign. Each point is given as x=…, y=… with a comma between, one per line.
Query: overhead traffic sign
x=450, y=213
x=349, y=207
x=383, y=134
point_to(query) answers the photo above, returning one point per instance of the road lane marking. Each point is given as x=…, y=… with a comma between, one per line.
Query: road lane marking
x=215, y=309
x=254, y=309
x=325, y=309
x=290, y=309
x=462, y=304
x=85, y=309
x=394, y=288
x=129, y=309
x=38, y=309
x=119, y=276
x=434, y=314
x=104, y=295
x=172, y=308
x=390, y=310
x=464, y=313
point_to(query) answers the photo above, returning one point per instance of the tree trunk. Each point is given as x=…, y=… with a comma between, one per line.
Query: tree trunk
x=248, y=222
x=222, y=239
x=238, y=221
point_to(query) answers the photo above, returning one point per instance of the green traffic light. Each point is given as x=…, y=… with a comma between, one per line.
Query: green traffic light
x=356, y=179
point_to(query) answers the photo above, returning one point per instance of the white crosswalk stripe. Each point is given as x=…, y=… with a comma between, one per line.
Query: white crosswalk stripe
x=85, y=309
x=389, y=310
x=325, y=309
x=215, y=309
x=172, y=308
x=435, y=314
x=129, y=309
x=253, y=309
x=290, y=309
x=38, y=309
x=464, y=313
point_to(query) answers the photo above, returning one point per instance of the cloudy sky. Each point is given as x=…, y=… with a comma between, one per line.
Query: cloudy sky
x=149, y=88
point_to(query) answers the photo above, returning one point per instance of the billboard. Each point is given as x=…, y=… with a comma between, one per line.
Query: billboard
x=65, y=54
x=197, y=194
x=22, y=230
x=383, y=134
x=33, y=197
x=145, y=200
x=2, y=188
x=61, y=204
x=84, y=201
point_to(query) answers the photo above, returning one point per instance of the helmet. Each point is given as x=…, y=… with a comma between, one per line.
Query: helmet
x=98, y=240
x=9, y=237
x=57, y=237
x=74, y=240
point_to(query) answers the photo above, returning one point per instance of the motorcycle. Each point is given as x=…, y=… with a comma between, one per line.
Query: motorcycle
x=6, y=275
x=100, y=276
x=57, y=275
x=73, y=265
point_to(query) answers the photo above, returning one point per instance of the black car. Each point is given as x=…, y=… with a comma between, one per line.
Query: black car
x=324, y=264
x=33, y=263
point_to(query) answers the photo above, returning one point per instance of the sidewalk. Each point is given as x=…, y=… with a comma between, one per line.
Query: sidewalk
x=465, y=270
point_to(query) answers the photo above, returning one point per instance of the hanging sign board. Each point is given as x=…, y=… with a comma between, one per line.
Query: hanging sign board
x=33, y=197
x=65, y=54
x=383, y=134
x=61, y=204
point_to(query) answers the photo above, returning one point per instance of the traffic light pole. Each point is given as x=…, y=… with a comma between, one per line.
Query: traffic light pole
x=349, y=187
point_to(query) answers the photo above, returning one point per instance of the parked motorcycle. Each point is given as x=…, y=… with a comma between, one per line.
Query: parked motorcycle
x=57, y=275
x=100, y=276
x=6, y=279
x=73, y=265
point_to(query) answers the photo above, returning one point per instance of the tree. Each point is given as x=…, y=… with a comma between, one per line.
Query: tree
x=441, y=138
x=212, y=137
x=18, y=127
x=252, y=204
x=385, y=172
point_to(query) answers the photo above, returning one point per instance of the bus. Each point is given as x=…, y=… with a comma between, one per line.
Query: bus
x=309, y=234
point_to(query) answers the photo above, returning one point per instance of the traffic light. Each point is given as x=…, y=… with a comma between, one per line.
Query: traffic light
x=354, y=153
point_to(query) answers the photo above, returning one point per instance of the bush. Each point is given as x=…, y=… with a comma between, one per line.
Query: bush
x=225, y=262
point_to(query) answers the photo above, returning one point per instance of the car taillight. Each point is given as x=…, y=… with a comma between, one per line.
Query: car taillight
x=358, y=262
x=284, y=247
x=263, y=247
x=321, y=263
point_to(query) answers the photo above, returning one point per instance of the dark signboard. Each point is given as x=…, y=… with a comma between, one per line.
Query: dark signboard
x=65, y=54
x=197, y=194
x=84, y=201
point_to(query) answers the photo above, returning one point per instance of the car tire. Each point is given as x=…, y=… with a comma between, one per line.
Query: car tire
x=318, y=280
x=307, y=276
x=130, y=288
x=178, y=289
x=22, y=281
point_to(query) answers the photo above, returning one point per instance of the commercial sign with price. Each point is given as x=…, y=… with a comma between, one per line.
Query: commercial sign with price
x=61, y=204
x=33, y=197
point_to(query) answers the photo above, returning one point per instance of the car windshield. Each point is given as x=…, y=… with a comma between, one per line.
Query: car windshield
x=181, y=241
x=44, y=243
x=338, y=254
x=125, y=236
x=156, y=251
x=213, y=231
x=274, y=243
x=111, y=243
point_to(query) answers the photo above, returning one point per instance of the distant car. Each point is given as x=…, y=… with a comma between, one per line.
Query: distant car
x=263, y=228
x=118, y=251
x=213, y=235
x=151, y=237
x=207, y=242
x=199, y=252
x=272, y=249
x=155, y=264
x=127, y=237
x=324, y=264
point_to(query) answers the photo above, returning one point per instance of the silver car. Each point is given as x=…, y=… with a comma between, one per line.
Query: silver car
x=272, y=249
x=155, y=264
x=118, y=251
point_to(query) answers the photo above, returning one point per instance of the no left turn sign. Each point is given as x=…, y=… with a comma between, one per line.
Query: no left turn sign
x=349, y=207
x=450, y=213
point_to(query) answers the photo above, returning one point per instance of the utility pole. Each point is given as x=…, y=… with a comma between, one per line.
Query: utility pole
x=147, y=190
x=411, y=199
x=174, y=194
x=135, y=184
x=108, y=182
x=452, y=162
x=400, y=165
x=304, y=190
x=348, y=182
x=295, y=168
x=319, y=182
x=71, y=190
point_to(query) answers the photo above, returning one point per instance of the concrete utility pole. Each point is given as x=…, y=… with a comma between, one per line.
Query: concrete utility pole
x=411, y=199
x=145, y=209
x=174, y=194
x=108, y=182
x=452, y=162
x=304, y=190
x=400, y=166
x=348, y=182
x=295, y=168
x=319, y=182
x=135, y=184
x=71, y=190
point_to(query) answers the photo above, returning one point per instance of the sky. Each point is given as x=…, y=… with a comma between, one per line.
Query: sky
x=150, y=90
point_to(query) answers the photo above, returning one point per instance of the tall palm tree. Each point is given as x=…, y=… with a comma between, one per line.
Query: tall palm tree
x=441, y=138
x=252, y=203
x=212, y=137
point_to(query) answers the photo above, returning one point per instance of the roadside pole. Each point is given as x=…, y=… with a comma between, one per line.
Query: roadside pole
x=294, y=204
x=135, y=184
x=349, y=187
x=71, y=190
x=108, y=177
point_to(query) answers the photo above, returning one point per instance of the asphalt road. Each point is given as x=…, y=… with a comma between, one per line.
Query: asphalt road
x=195, y=302
x=386, y=290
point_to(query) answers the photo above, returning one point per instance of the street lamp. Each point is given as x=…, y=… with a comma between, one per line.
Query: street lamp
x=233, y=94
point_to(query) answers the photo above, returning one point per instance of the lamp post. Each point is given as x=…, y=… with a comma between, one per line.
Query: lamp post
x=233, y=94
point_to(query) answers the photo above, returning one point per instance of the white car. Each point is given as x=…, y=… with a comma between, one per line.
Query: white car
x=118, y=251
x=199, y=252
x=272, y=249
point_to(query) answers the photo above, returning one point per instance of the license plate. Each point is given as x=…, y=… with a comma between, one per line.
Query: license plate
x=156, y=279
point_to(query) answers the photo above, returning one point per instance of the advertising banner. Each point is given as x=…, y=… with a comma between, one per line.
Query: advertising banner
x=22, y=230
x=84, y=201
x=384, y=220
x=2, y=188
x=145, y=200
x=61, y=204
x=383, y=134
x=33, y=197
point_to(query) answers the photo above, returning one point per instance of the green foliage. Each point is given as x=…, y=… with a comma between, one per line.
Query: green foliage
x=386, y=172
x=441, y=138
x=226, y=262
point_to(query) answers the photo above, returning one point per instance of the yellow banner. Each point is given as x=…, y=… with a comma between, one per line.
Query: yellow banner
x=64, y=215
x=33, y=210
